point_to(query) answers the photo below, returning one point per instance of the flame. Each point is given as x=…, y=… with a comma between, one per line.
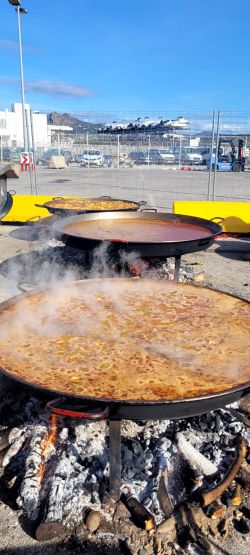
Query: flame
x=46, y=445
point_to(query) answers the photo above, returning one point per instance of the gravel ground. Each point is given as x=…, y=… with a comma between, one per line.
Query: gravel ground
x=226, y=267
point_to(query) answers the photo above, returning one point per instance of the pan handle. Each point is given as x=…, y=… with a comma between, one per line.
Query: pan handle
x=40, y=206
x=217, y=218
x=61, y=408
x=147, y=210
x=104, y=197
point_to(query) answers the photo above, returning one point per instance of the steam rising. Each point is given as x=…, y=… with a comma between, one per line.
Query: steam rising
x=150, y=339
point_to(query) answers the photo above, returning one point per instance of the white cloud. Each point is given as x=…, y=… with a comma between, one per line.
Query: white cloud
x=56, y=89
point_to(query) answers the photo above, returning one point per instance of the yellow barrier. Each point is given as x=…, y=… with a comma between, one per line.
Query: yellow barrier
x=24, y=209
x=236, y=214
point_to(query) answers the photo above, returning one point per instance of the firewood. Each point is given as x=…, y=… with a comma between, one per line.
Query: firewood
x=4, y=439
x=167, y=527
x=217, y=512
x=196, y=460
x=149, y=524
x=138, y=512
x=14, y=447
x=213, y=494
x=163, y=496
x=236, y=499
x=236, y=414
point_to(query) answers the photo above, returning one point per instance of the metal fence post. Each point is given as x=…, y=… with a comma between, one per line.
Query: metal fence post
x=34, y=149
x=211, y=156
x=180, y=152
x=118, y=151
x=28, y=144
x=216, y=153
x=149, y=144
x=87, y=142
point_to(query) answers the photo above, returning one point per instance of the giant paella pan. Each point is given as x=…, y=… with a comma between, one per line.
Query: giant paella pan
x=137, y=349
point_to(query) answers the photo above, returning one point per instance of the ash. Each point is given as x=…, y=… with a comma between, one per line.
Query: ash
x=58, y=468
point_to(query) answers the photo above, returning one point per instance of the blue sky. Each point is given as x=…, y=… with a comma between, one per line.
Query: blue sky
x=137, y=56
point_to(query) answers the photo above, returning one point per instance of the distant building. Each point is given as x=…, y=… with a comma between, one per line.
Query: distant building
x=61, y=132
x=11, y=127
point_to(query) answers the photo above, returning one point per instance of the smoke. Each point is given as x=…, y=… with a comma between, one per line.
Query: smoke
x=56, y=268
x=112, y=319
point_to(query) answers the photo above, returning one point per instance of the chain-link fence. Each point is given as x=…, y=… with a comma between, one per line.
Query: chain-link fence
x=158, y=158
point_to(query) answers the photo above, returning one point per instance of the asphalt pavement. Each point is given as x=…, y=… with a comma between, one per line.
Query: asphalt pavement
x=158, y=185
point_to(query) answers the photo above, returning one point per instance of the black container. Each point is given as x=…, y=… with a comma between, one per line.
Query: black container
x=161, y=249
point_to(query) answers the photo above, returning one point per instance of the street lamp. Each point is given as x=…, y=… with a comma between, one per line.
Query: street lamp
x=19, y=11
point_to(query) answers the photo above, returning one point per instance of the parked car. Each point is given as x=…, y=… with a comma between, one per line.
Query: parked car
x=191, y=155
x=91, y=158
x=187, y=155
x=137, y=156
x=6, y=154
x=15, y=155
x=78, y=158
x=159, y=156
x=107, y=160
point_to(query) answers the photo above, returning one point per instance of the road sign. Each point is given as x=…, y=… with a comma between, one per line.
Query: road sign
x=27, y=162
x=25, y=158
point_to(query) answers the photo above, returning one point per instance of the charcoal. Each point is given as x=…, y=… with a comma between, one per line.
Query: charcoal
x=4, y=440
x=75, y=476
x=242, y=526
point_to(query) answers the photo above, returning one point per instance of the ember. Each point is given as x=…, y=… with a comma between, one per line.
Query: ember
x=169, y=469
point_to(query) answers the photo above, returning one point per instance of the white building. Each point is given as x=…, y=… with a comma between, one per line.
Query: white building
x=11, y=127
x=61, y=133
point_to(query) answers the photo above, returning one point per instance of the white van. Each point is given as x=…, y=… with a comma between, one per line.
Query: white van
x=191, y=155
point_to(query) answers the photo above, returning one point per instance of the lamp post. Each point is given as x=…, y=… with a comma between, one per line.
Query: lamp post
x=19, y=11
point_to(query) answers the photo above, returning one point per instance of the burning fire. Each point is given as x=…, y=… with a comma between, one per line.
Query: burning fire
x=47, y=445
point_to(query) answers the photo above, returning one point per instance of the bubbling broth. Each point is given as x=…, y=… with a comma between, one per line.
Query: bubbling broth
x=126, y=339
x=141, y=231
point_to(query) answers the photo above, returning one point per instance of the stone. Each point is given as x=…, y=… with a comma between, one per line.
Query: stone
x=244, y=475
x=199, y=277
x=93, y=521
x=167, y=527
x=105, y=528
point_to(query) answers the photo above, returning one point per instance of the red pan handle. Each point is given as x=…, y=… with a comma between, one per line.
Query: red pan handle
x=56, y=406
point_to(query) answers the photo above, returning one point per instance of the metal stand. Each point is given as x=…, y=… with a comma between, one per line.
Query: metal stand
x=115, y=459
x=177, y=267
